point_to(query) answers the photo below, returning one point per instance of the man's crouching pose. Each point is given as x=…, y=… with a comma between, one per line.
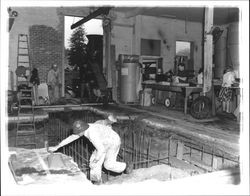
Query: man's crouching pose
x=107, y=144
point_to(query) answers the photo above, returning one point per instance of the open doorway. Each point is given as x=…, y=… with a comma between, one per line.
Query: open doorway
x=184, y=55
x=82, y=44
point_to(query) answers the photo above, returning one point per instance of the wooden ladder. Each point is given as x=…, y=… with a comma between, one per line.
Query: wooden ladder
x=25, y=127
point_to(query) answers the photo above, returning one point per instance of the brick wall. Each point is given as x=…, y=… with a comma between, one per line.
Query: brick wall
x=45, y=49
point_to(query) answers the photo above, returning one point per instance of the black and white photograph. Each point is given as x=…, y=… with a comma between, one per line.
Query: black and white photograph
x=124, y=98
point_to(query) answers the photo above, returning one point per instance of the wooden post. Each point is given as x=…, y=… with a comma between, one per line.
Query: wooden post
x=215, y=163
x=213, y=101
x=169, y=146
x=113, y=73
x=179, y=154
x=212, y=161
x=107, y=52
x=208, y=47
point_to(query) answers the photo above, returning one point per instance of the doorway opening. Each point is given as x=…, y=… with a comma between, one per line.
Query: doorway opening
x=83, y=45
x=184, y=54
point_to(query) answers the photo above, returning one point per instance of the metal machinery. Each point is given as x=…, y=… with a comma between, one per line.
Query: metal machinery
x=129, y=78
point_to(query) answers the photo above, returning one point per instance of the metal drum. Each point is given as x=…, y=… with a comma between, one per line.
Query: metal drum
x=233, y=46
x=129, y=77
x=220, y=55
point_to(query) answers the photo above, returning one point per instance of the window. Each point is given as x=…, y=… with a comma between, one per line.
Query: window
x=184, y=54
x=150, y=47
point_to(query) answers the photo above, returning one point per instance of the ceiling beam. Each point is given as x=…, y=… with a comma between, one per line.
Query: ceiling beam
x=137, y=11
x=102, y=10
x=134, y=12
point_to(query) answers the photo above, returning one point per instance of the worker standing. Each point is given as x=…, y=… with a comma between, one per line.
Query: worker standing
x=225, y=95
x=54, y=84
x=200, y=77
x=107, y=144
x=35, y=81
x=181, y=74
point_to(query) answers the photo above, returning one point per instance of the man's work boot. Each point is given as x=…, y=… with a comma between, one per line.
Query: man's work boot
x=95, y=179
x=97, y=182
x=129, y=168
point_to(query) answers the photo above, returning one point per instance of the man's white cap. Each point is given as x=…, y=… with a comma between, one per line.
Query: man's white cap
x=112, y=118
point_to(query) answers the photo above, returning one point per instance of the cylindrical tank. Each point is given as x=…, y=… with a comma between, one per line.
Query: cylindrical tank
x=146, y=97
x=220, y=55
x=129, y=77
x=233, y=46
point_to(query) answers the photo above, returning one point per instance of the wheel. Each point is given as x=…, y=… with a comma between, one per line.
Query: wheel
x=167, y=102
x=201, y=108
x=153, y=101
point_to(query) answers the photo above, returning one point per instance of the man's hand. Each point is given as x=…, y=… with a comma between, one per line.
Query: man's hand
x=49, y=87
x=95, y=160
x=53, y=149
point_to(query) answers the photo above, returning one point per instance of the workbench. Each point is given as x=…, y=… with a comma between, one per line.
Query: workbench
x=186, y=90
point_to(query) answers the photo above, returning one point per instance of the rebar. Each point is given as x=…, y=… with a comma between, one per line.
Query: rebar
x=140, y=138
x=87, y=154
x=148, y=151
x=143, y=141
x=133, y=146
x=124, y=147
x=139, y=151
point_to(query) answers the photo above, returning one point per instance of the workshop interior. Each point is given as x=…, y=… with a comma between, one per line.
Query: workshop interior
x=164, y=80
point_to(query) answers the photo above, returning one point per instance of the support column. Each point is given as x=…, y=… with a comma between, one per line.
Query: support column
x=208, y=49
x=63, y=54
x=106, y=52
x=136, y=47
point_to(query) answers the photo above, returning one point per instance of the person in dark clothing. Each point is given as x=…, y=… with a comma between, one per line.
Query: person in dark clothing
x=35, y=81
x=182, y=75
x=88, y=81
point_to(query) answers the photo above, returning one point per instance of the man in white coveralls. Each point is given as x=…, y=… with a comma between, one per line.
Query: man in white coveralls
x=107, y=144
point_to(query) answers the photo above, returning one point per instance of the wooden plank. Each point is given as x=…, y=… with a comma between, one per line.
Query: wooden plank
x=183, y=165
x=215, y=163
x=198, y=163
x=208, y=46
x=180, y=147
